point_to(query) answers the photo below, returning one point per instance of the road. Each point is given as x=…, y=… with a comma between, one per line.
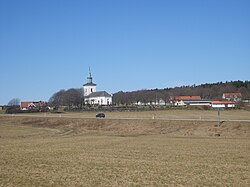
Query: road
x=116, y=118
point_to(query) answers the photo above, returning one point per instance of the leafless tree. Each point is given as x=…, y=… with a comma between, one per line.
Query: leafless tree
x=14, y=102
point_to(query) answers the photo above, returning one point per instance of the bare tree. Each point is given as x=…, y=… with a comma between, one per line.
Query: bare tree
x=70, y=98
x=14, y=102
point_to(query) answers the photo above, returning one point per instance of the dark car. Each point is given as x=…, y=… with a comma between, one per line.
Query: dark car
x=100, y=115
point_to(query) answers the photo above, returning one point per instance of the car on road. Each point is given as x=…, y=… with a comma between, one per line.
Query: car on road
x=100, y=115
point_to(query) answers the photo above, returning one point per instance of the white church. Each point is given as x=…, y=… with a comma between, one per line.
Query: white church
x=92, y=97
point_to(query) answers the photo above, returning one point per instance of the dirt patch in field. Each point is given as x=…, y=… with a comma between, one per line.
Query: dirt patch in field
x=136, y=127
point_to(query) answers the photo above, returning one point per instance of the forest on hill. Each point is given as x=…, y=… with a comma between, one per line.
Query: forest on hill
x=211, y=91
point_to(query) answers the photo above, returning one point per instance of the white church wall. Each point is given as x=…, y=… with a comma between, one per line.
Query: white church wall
x=88, y=90
x=99, y=100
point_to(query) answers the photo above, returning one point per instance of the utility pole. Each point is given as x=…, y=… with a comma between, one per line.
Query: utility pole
x=218, y=111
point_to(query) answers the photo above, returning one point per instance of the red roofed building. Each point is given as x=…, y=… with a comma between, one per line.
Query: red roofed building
x=33, y=105
x=232, y=97
x=180, y=100
x=223, y=104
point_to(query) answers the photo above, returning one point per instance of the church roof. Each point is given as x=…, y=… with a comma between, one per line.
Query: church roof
x=89, y=84
x=99, y=94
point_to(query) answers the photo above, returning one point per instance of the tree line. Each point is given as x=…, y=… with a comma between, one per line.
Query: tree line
x=211, y=91
x=73, y=98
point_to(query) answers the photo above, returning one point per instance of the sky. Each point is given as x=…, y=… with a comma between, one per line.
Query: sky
x=49, y=45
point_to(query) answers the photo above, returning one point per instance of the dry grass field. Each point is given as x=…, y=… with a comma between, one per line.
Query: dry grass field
x=107, y=152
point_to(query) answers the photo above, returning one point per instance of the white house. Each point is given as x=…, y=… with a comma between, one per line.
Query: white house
x=159, y=102
x=237, y=97
x=92, y=97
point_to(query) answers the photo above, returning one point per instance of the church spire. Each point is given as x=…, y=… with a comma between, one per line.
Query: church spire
x=89, y=78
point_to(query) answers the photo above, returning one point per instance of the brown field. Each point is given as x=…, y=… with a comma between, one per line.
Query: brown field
x=108, y=152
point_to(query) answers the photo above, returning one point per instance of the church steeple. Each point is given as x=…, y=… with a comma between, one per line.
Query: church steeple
x=90, y=79
x=89, y=87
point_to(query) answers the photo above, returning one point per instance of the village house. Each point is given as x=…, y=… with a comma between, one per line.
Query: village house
x=184, y=100
x=159, y=102
x=236, y=97
x=223, y=104
x=246, y=101
x=92, y=97
x=33, y=105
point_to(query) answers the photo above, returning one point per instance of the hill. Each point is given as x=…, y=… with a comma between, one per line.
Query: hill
x=206, y=91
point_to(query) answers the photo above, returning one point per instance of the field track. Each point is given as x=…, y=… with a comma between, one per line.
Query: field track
x=135, y=126
x=114, y=117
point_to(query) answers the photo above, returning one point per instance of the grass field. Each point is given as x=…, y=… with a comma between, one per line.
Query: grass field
x=97, y=152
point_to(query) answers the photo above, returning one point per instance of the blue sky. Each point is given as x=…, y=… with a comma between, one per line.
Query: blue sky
x=49, y=45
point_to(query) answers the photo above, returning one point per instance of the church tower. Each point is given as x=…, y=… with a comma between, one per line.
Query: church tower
x=89, y=87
